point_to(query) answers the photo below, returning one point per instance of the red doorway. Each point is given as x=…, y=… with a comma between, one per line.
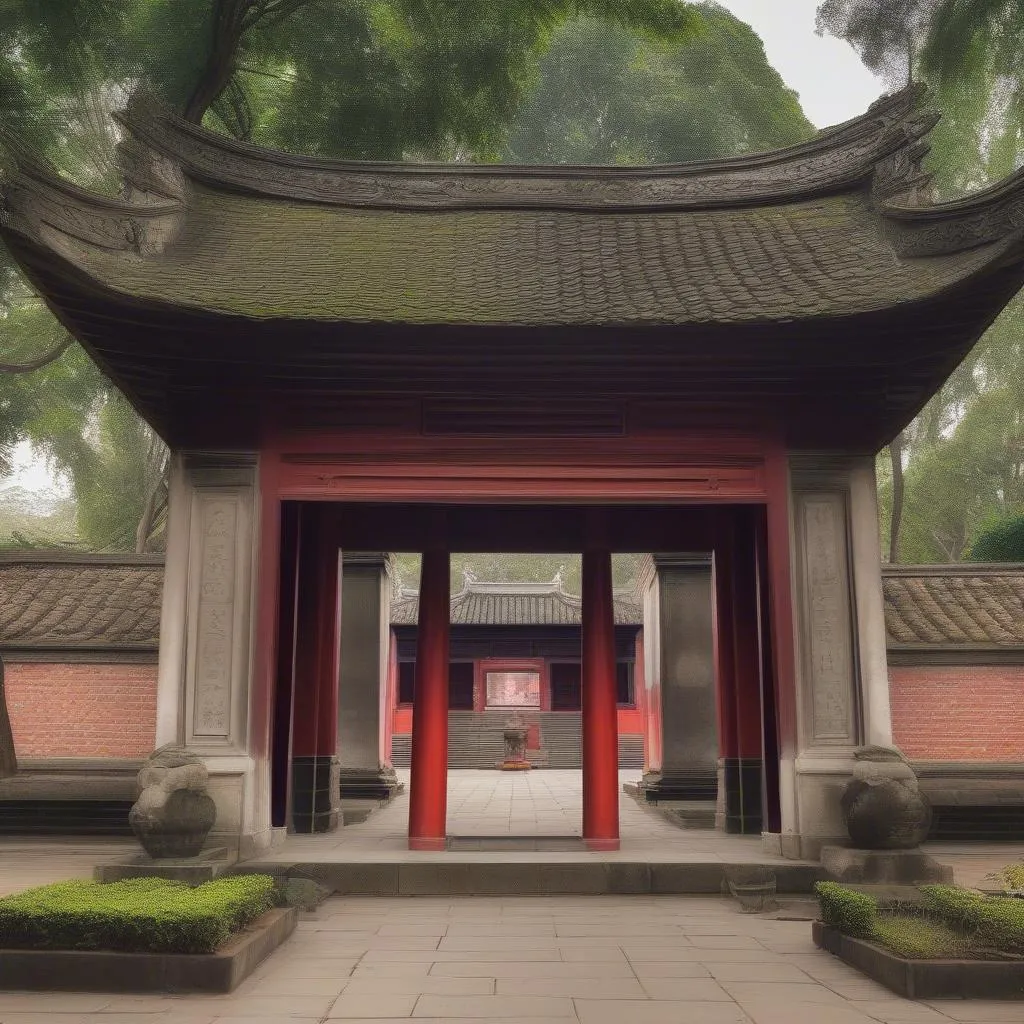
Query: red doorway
x=395, y=494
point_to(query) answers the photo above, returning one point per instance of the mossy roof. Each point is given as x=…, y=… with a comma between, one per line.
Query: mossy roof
x=267, y=258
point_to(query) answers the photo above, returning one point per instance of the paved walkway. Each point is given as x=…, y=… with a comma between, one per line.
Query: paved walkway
x=595, y=960
x=590, y=960
x=536, y=803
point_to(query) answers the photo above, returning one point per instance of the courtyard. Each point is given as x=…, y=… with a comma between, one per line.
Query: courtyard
x=596, y=960
x=592, y=959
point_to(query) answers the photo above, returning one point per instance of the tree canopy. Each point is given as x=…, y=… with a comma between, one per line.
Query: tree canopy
x=606, y=95
x=541, y=80
x=960, y=464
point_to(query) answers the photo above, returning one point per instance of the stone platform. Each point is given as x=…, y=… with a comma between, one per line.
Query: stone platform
x=518, y=833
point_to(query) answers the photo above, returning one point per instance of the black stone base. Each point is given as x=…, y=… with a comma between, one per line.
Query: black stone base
x=742, y=781
x=43, y=817
x=315, y=799
x=680, y=784
x=379, y=784
x=988, y=823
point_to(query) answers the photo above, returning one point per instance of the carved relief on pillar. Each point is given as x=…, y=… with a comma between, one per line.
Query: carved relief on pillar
x=219, y=612
x=218, y=520
x=829, y=666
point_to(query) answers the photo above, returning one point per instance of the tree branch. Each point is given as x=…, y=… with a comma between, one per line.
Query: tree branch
x=44, y=360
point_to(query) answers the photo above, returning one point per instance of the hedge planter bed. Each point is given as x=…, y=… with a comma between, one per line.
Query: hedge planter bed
x=140, y=935
x=954, y=943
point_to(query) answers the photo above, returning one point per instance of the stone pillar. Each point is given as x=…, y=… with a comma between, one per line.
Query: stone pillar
x=428, y=782
x=842, y=684
x=681, y=667
x=315, y=769
x=366, y=772
x=206, y=638
x=600, y=738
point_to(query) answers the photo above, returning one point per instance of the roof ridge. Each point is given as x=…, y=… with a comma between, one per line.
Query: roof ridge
x=839, y=158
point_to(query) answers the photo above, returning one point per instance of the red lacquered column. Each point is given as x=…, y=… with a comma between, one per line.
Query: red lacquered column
x=428, y=787
x=724, y=639
x=600, y=738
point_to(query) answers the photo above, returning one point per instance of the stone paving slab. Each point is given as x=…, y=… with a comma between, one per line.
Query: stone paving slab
x=734, y=970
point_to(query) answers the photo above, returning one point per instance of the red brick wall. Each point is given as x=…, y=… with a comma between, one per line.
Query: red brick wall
x=82, y=710
x=958, y=713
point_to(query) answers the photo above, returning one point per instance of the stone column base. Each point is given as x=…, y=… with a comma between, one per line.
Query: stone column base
x=741, y=779
x=698, y=783
x=315, y=797
x=892, y=867
x=380, y=784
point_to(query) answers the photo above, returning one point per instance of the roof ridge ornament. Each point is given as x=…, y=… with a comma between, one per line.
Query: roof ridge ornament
x=900, y=173
x=845, y=157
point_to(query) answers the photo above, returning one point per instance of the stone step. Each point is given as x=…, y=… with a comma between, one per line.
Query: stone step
x=477, y=741
x=487, y=874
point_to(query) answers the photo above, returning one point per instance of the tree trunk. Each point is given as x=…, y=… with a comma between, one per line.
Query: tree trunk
x=895, y=521
x=228, y=29
x=8, y=755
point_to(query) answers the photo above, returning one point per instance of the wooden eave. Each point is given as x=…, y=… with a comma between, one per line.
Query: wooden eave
x=680, y=296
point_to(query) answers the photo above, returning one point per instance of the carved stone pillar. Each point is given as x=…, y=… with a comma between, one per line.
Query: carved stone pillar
x=206, y=637
x=842, y=685
x=366, y=772
x=680, y=669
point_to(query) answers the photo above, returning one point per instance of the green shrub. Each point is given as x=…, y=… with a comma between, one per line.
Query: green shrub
x=1010, y=879
x=151, y=915
x=853, y=913
x=918, y=938
x=995, y=922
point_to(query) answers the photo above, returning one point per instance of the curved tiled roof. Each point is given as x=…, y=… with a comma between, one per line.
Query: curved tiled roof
x=514, y=604
x=112, y=602
x=954, y=606
x=80, y=602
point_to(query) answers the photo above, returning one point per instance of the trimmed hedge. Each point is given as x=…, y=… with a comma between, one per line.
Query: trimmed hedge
x=853, y=913
x=951, y=922
x=994, y=921
x=139, y=915
x=919, y=938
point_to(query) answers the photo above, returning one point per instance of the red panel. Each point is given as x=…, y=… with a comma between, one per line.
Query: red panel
x=392, y=697
x=707, y=468
x=267, y=583
x=402, y=718
x=747, y=653
x=781, y=601
x=630, y=721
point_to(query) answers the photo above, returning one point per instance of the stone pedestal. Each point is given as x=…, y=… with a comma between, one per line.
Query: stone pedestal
x=362, y=688
x=678, y=612
x=883, y=867
x=210, y=864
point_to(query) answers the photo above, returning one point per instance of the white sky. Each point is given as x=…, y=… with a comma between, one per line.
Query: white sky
x=827, y=74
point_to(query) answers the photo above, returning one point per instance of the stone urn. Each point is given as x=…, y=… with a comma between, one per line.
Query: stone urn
x=882, y=805
x=174, y=813
x=515, y=749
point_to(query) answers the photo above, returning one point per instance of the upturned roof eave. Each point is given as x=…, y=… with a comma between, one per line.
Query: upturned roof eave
x=845, y=157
